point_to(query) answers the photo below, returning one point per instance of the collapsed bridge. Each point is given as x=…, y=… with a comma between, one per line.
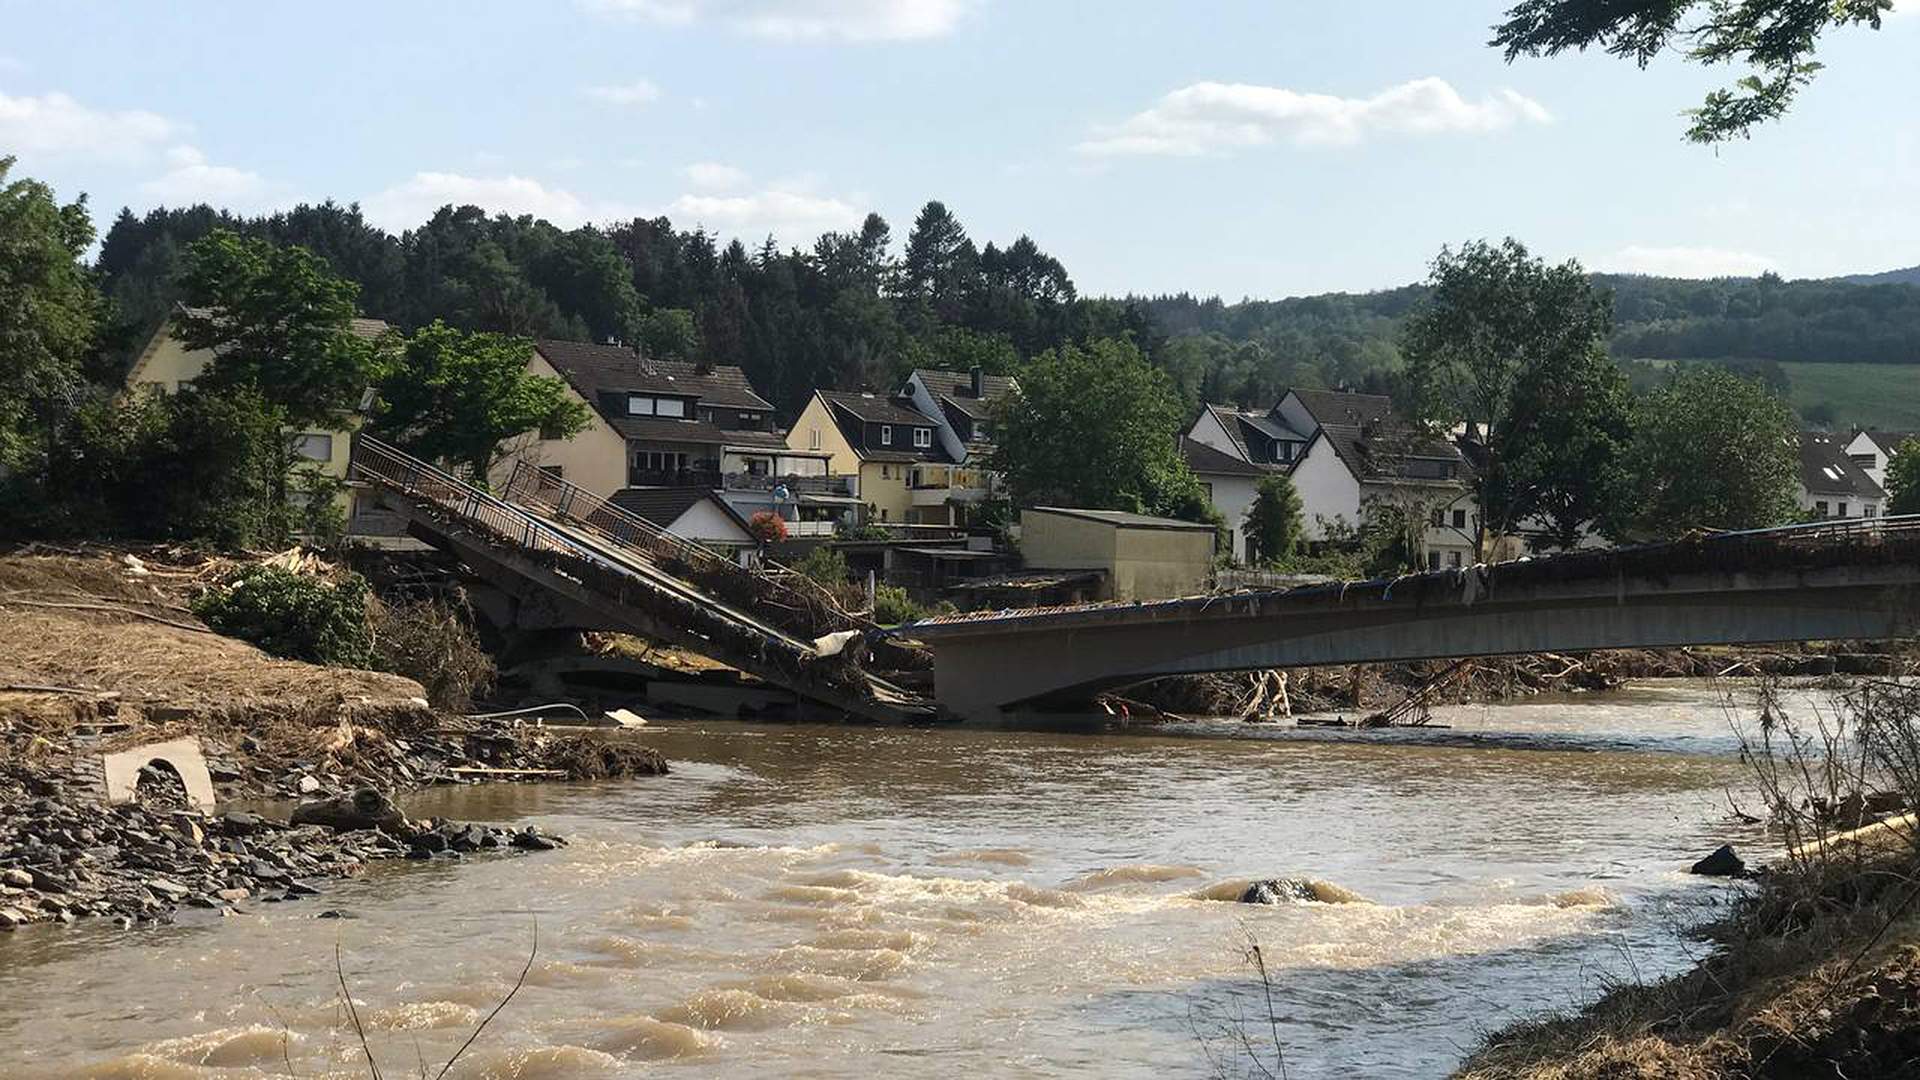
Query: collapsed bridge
x=568, y=559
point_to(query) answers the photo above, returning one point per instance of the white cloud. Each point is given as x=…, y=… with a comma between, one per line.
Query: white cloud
x=791, y=217
x=1686, y=262
x=408, y=204
x=806, y=20
x=190, y=178
x=1211, y=117
x=714, y=176
x=55, y=125
x=637, y=92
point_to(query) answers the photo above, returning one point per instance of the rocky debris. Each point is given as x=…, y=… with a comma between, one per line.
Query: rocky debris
x=62, y=860
x=1278, y=891
x=364, y=809
x=1722, y=863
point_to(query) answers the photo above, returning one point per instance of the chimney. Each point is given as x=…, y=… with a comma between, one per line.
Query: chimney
x=979, y=380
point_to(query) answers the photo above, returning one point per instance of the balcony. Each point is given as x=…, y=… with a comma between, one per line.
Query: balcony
x=705, y=478
x=930, y=495
x=799, y=485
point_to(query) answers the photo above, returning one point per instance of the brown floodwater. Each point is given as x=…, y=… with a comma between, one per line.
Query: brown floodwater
x=815, y=901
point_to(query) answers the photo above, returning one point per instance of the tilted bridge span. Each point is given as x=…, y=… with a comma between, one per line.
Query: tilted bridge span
x=1848, y=580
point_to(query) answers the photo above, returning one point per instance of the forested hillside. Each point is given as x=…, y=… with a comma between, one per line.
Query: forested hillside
x=848, y=312
x=859, y=309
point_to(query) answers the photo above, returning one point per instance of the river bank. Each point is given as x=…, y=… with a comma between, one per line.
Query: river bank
x=102, y=657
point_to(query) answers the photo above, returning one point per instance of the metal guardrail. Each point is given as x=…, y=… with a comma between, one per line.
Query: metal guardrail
x=411, y=476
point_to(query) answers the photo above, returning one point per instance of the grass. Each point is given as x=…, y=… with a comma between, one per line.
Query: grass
x=1861, y=395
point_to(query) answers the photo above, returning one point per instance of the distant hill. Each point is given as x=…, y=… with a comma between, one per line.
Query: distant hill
x=1908, y=276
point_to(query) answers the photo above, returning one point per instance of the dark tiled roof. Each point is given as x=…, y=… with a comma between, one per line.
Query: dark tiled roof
x=1382, y=458
x=1825, y=468
x=657, y=429
x=956, y=388
x=769, y=440
x=1889, y=441
x=875, y=409
x=1338, y=407
x=665, y=505
x=594, y=370
x=1207, y=461
x=1229, y=418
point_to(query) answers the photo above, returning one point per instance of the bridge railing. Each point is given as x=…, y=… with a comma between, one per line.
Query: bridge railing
x=411, y=476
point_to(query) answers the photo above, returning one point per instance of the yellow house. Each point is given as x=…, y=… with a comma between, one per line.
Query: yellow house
x=165, y=364
x=904, y=474
x=1142, y=558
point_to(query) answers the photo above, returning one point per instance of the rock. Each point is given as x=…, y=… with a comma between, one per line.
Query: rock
x=11, y=917
x=529, y=839
x=170, y=889
x=1276, y=891
x=430, y=842
x=364, y=809
x=17, y=878
x=238, y=823
x=297, y=887
x=308, y=785
x=1722, y=863
x=233, y=896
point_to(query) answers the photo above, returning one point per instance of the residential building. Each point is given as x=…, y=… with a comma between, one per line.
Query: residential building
x=962, y=404
x=902, y=472
x=1873, y=451
x=695, y=513
x=1140, y=557
x=165, y=364
x=1342, y=452
x=1833, y=484
x=1231, y=484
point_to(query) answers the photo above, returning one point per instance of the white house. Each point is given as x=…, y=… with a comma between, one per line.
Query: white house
x=1343, y=451
x=1873, y=451
x=1231, y=485
x=1833, y=484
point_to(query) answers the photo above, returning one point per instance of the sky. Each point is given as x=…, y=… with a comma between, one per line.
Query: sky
x=1241, y=148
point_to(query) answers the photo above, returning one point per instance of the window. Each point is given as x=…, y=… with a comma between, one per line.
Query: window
x=659, y=461
x=1453, y=559
x=639, y=405
x=1869, y=510
x=671, y=406
x=1459, y=519
x=813, y=438
x=1840, y=510
x=1433, y=560
x=886, y=472
x=1820, y=508
x=886, y=434
x=922, y=437
x=314, y=446
x=1865, y=461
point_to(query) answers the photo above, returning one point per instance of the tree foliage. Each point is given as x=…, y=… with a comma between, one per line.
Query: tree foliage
x=278, y=322
x=458, y=397
x=1709, y=450
x=1514, y=346
x=1094, y=428
x=50, y=311
x=1903, y=479
x=1275, y=521
x=1774, y=38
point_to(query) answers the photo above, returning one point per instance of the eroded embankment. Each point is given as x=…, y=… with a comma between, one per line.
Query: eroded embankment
x=101, y=655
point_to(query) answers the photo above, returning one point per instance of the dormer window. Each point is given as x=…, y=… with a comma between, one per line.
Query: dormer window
x=886, y=434
x=649, y=405
x=922, y=437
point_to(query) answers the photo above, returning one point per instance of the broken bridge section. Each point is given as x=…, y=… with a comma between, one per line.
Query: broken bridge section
x=567, y=559
x=1857, y=580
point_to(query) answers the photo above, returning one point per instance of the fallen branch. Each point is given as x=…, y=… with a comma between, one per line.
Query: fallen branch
x=114, y=608
x=339, y=969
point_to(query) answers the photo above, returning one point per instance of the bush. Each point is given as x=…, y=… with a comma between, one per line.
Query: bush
x=295, y=616
x=892, y=605
x=432, y=643
x=823, y=566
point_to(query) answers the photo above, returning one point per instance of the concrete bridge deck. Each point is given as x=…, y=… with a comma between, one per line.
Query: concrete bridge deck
x=1830, y=581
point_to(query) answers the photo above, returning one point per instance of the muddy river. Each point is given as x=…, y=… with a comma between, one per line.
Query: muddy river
x=853, y=902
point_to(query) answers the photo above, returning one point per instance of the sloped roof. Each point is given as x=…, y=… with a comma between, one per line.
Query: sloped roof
x=1209, y=461
x=1889, y=441
x=956, y=388
x=1329, y=407
x=1121, y=519
x=875, y=409
x=594, y=370
x=659, y=429
x=665, y=505
x=1825, y=469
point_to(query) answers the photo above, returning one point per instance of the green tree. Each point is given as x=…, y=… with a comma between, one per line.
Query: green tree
x=1516, y=347
x=670, y=334
x=50, y=311
x=1903, y=479
x=1775, y=38
x=458, y=397
x=1094, y=427
x=1274, y=521
x=1710, y=450
x=279, y=322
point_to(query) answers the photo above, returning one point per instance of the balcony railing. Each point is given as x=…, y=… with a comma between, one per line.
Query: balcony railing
x=704, y=478
x=807, y=485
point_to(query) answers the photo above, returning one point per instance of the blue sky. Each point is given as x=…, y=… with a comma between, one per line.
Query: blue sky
x=1248, y=148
